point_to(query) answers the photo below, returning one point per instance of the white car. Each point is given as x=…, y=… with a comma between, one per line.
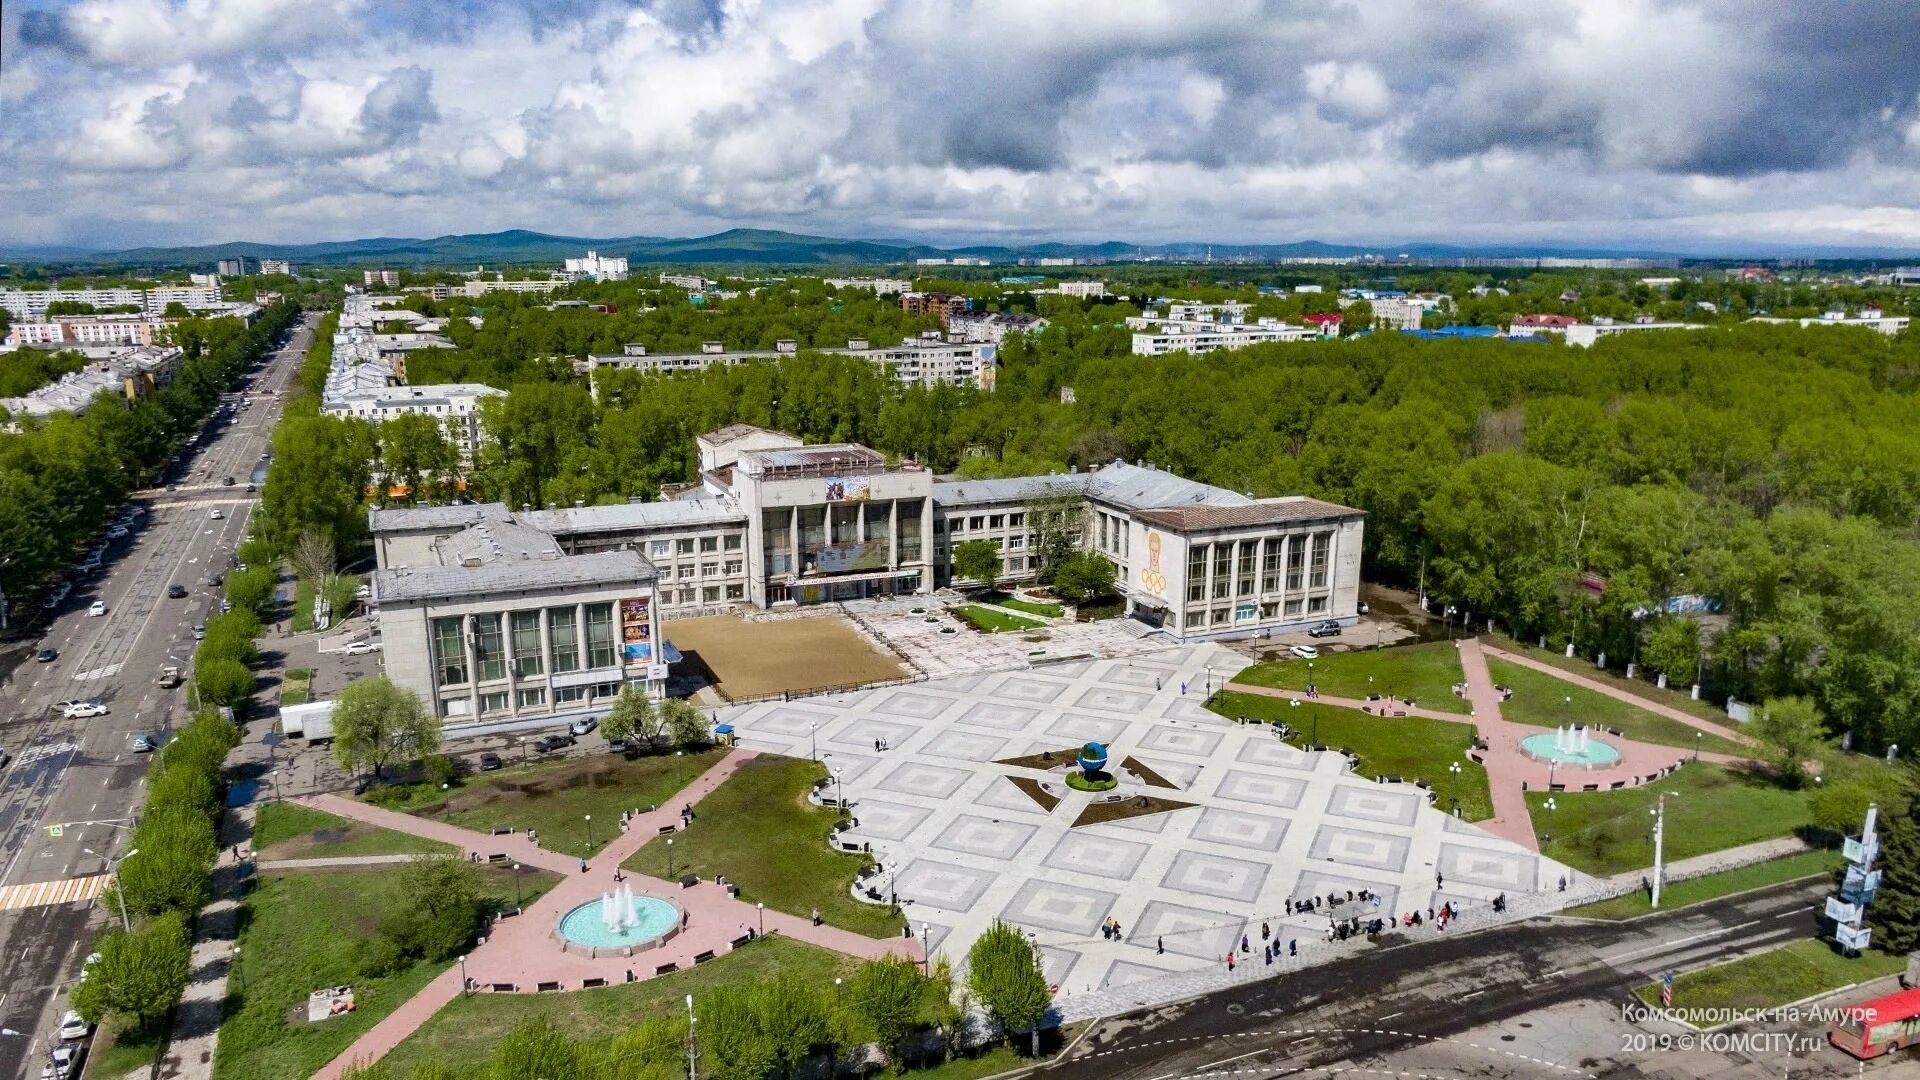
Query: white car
x=583, y=726
x=1305, y=652
x=96, y=609
x=362, y=648
x=81, y=710
x=72, y=1027
x=216, y=515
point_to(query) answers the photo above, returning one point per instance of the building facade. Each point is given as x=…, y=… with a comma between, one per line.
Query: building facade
x=992, y=327
x=32, y=303
x=598, y=267
x=924, y=361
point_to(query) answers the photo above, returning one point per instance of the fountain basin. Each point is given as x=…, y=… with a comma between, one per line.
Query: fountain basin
x=585, y=928
x=1587, y=753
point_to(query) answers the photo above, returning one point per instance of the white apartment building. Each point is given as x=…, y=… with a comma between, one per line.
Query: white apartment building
x=1585, y=334
x=455, y=406
x=477, y=287
x=876, y=286
x=689, y=282
x=284, y=266
x=598, y=267
x=1232, y=311
x=32, y=303
x=126, y=377
x=365, y=378
x=987, y=326
x=924, y=361
x=1402, y=312
x=1159, y=337
x=1085, y=290
x=89, y=330
x=385, y=278
x=1869, y=318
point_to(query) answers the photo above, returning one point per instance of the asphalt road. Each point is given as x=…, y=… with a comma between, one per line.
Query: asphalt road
x=82, y=774
x=1410, y=996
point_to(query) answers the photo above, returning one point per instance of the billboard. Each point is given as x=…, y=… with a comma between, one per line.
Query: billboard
x=636, y=629
x=850, y=557
x=847, y=489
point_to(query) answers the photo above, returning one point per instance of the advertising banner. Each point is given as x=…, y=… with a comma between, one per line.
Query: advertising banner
x=1856, y=938
x=1842, y=912
x=850, y=557
x=846, y=489
x=636, y=629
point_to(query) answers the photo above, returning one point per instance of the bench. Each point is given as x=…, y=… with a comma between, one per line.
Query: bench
x=701, y=958
x=733, y=890
x=849, y=847
x=667, y=968
x=506, y=913
x=498, y=859
x=741, y=940
x=503, y=830
x=588, y=984
x=547, y=986
x=665, y=829
x=503, y=988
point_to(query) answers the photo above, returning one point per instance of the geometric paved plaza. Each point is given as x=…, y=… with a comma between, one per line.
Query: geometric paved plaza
x=1269, y=822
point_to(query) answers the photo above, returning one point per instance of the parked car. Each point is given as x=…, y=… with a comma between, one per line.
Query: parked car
x=216, y=580
x=362, y=648
x=118, y=532
x=489, y=761
x=82, y=710
x=1305, y=652
x=96, y=609
x=583, y=726
x=617, y=746
x=552, y=742
x=226, y=481
x=199, y=631
x=47, y=656
x=66, y=1060
x=216, y=515
x=144, y=744
x=73, y=1027
x=177, y=592
x=1325, y=629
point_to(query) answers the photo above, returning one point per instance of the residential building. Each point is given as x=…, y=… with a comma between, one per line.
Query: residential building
x=1869, y=318
x=1585, y=334
x=205, y=281
x=1906, y=276
x=992, y=326
x=281, y=266
x=478, y=287
x=127, y=375
x=1085, y=290
x=1159, y=337
x=32, y=303
x=385, y=278
x=90, y=330
x=689, y=282
x=923, y=361
x=231, y=268
x=1403, y=312
x=455, y=406
x=1535, y=325
x=598, y=267
x=1232, y=311
x=366, y=378
x=876, y=286
x=944, y=305
x=1325, y=324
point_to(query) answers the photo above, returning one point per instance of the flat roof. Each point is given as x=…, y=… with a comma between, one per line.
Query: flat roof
x=408, y=518
x=1138, y=488
x=602, y=568
x=622, y=516
x=1009, y=489
x=1283, y=511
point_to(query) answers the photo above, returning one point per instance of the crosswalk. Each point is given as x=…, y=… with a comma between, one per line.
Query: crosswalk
x=107, y=672
x=44, y=893
x=38, y=753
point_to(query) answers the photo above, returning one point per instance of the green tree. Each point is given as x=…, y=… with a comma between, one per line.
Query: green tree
x=1004, y=974
x=1083, y=577
x=139, y=976
x=686, y=726
x=415, y=453
x=734, y=1040
x=632, y=716
x=1673, y=649
x=948, y=1005
x=1840, y=807
x=377, y=722
x=795, y=1020
x=251, y=589
x=977, y=561
x=223, y=682
x=887, y=994
x=535, y=1050
x=1792, y=727
x=1895, y=911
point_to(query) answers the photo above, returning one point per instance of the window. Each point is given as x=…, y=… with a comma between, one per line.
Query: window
x=710, y=594
x=1219, y=588
x=956, y=524
x=1269, y=609
x=569, y=694
x=529, y=699
x=1270, y=562
x=731, y=542
x=1316, y=604
x=684, y=545
x=1033, y=562
x=686, y=572
x=997, y=521
x=526, y=645
x=709, y=543
x=736, y=592
x=686, y=596
x=600, y=650
x=563, y=639
x=1245, y=587
x=449, y=652
x=711, y=569
x=1322, y=544
x=976, y=521
x=495, y=702
x=733, y=567
x=1015, y=543
x=1244, y=612
x=489, y=648
x=1196, y=589
x=1100, y=537
x=1296, y=559
x=1219, y=616
x=660, y=549
x=1222, y=560
x=1293, y=607
x=1196, y=562
x=1246, y=559
x=606, y=689
x=456, y=707
x=1016, y=520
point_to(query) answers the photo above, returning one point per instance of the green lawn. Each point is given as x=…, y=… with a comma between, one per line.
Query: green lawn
x=1545, y=701
x=296, y=686
x=1411, y=746
x=300, y=932
x=1679, y=894
x=1007, y=600
x=759, y=829
x=465, y=1032
x=291, y=831
x=555, y=796
x=1715, y=807
x=1426, y=672
x=303, y=595
x=994, y=622
x=1773, y=978
x=1646, y=688
x=116, y=1053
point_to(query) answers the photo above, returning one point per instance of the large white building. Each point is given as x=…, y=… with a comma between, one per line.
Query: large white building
x=924, y=361
x=1159, y=337
x=89, y=330
x=773, y=522
x=32, y=303
x=277, y=266
x=366, y=380
x=125, y=376
x=876, y=286
x=1585, y=334
x=1086, y=290
x=987, y=326
x=598, y=267
x=1868, y=318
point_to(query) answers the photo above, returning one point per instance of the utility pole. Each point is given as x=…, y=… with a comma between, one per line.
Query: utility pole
x=1659, y=813
x=692, y=1047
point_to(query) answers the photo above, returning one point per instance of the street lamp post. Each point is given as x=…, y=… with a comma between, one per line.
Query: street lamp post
x=1549, y=836
x=463, y=975
x=669, y=858
x=1697, y=736
x=813, y=731
x=763, y=918
x=589, y=832
x=839, y=795
x=926, y=960
x=446, y=804
x=113, y=867
x=1454, y=768
x=1209, y=681
x=516, y=887
x=1659, y=813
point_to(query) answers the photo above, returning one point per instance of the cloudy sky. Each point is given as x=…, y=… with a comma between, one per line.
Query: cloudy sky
x=1690, y=124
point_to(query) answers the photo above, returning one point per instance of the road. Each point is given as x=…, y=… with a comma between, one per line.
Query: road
x=1503, y=1003
x=82, y=774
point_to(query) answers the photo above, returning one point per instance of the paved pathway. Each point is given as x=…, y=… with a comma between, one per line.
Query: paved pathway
x=1618, y=694
x=196, y=1025
x=520, y=952
x=324, y=861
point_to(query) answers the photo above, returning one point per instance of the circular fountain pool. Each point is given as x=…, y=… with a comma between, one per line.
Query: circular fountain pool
x=589, y=926
x=1583, y=751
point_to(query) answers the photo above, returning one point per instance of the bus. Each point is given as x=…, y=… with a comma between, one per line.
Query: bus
x=1876, y=1027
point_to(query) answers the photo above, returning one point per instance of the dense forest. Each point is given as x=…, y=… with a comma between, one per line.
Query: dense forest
x=1773, y=469
x=62, y=478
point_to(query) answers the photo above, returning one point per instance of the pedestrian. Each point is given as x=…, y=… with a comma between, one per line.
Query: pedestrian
x=1106, y=932
x=1159, y=947
x=1229, y=962
x=1563, y=883
x=1293, y=947
x=1156, y=683
x=1183, y=688
x=1438, y=879
x=1116, y=929
x=1244, y=946
x=1270, y=954
x=1265, y=933
x=583, y=864
x=1349, y=896
x=876, y=746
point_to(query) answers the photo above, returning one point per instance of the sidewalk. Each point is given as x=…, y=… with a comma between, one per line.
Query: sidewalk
x=521, y=952
x=196, y=1025
x=1618, y=694
x=325, y=861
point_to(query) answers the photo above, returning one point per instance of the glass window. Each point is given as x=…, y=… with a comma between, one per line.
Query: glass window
x=1196, y=562
x=600, y=650
x=1219, y=616
x=1245, y=588
x=1222, y=560
x=563, y=639
x=1322, y=544
x=686, y=572
x=1269, y=609
x=1293, y=607
x=686, y=596
x=495, y=702
x=489, y=648
x=997, y=521
x=711, y=569
x=531, y=698
x=1196, y=589
x=731, y=542
x=1016, y=520
x=1219, y=588
x=526, y=644
x=733, y=567
x=661, y=548
x=567, y=694
x=449, y=652
x=710, y=594
x=736, y=592
x=456, y=707
x=709, y=543
x=684, y=545
x=1296, y=560
x=1316, y=603
x=1270, y=562
x=1016, y=542
x=1246, y=559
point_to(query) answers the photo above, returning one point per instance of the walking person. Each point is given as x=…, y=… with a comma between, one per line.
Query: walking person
x=1159, y=947
x=1229, y=961
x=1265, y=933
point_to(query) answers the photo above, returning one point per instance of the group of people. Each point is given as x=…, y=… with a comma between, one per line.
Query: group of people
x=1269, y=947
x=1110, y=929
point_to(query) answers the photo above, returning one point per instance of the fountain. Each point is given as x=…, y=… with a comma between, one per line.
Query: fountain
x=620, y=920
x=1570, y=745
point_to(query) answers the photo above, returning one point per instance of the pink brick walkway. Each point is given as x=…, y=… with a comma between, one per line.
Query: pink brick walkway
x=1618, y=694
x=522, y=952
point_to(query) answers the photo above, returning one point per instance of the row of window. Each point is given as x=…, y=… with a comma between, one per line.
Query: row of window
x=482, y=640
x=1248, y=612
x=686, y=545
x=497, y=701
x=976, y=522
x=710, y=594
x=1111, y=534
x=686, y=571
x=1232, y=566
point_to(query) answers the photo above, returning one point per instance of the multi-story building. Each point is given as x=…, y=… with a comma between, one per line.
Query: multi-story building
x=689, y=282
x=478, y=287
x=89, y=330
x=1905, y=276
x=1232, y=311
x=366, y=377
x=876, y=286
x=1086, y=290
x=32, y=303
x=454, y=406
x=384, y=278
x=1399, y=313
x=284, y=266
x=232, y=268
x=1585, y=334
x=495, y=623
x=1868, y=318
x=992, y=326
x=1159, y=337
x=127, y=376
x=598, y=267
x=945, y=305
x=1535, y=325
x=924, y=361
x=774, y=522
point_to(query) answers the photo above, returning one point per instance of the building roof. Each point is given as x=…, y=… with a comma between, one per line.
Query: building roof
x=735, y=432
x=814, y=458
x=407, y=519
x=604, y=568
x=493, y=541
x=1137, y=488
x=1009, y=489
x=624, y=516
x=1291, y=509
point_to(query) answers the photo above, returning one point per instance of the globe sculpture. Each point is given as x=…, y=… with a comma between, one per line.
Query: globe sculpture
x=1093, y=760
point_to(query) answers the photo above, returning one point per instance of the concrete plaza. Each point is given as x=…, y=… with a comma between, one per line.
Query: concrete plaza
x=962, y=845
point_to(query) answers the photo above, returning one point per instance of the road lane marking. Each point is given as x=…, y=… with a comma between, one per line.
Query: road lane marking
x=48, y=893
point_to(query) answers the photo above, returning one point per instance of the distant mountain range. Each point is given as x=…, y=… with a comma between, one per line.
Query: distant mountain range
x=763, y=246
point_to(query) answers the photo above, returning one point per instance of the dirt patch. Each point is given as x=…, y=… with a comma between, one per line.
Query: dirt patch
x=1133, y=807
x=1035, y=792
x=1146, y=774
x=1044, y=760
x=754, y=659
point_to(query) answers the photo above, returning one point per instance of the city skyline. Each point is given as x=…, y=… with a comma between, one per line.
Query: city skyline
x=1698, y=128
